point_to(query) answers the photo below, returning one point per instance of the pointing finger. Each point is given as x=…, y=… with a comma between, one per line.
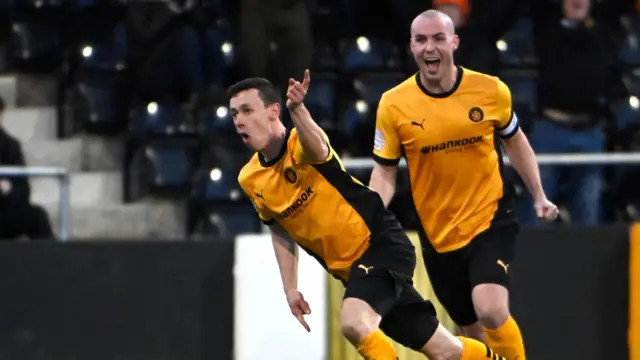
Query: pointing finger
x=303, y=322
x=307, y=79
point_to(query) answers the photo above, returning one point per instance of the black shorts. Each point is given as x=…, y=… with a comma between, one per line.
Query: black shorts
x=485, y=260
x=382, y=277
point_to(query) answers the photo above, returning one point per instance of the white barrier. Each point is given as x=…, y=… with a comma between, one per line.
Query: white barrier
x=264, y=327
x=543, y=159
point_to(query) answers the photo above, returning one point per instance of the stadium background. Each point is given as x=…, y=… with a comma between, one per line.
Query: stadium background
x=128, y=97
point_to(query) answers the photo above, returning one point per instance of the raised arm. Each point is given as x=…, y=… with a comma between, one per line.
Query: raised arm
x=312, y=138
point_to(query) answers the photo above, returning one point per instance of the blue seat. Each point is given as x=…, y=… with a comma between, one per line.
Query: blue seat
x=321, y=98
x=219, y=52
x=97, y=4
x=627, y=114
x=324, y=57
x=629, y=52
x=370, y=87
x=633, y=84
x=37, y=4
x=171, y=164
x=370, y=54
x=221, y=184
x=158, y=119
x=96, y=103
x=36, y=45
x=355, y=114
x=104, y=49
x=215, y=120
x=523, y=88
x=518, y=44
x=227, y=222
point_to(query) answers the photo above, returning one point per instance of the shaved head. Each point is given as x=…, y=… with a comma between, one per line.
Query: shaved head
x=433, y=41
x=447, y=22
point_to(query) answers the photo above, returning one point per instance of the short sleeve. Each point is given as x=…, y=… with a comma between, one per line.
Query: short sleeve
x=507, y=123
x=386, y=143
x=299, y=155
x=252, y=195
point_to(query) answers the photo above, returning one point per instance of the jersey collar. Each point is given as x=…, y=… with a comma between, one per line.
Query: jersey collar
x=442, y=94
x=283, y=150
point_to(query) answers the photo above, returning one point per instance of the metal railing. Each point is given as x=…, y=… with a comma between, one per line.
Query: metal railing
x=63, y=177
x=543, y=159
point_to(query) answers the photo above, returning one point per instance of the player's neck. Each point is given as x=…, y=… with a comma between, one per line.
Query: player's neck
x=444, y=85
x=275, y=144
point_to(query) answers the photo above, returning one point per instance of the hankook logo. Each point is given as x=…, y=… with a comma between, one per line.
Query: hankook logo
x=451, y=144
x=299, y=203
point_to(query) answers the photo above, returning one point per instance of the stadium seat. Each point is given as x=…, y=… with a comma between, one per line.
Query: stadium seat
x=627, y=113
x=218, y=52
x=321, y=98
x=98, y=106
x=324, y=57
x=370, y=54
x=158, y=119
x=225, y=222
x=370, y=87
x=37, y=4
x=161, y=168
x=215, y=120
x=353, y=115
x=359, y=126
x=522, y=86
x=629, y=53
x=218, y=185
x=103, y=48
x=98, y=4
x=516, y=46
x=35, y=46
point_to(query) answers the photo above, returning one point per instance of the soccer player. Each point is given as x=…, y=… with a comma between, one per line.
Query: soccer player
x=449, y=123
x=301, y=190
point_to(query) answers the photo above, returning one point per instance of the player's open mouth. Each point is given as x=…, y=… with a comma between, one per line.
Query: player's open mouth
x=244, y=136
x=432, y=63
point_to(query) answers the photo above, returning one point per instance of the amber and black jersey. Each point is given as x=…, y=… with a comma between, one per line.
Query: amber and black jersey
x=325, y=210
x=450, y=141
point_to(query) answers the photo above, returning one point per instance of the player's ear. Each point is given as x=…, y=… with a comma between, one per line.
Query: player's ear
x=275, y=110
x=456, y=42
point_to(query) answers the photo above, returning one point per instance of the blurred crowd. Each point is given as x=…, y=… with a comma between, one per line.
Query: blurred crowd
x=155, y=73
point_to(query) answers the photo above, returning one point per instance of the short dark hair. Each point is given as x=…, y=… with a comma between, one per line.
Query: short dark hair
x=266, y=90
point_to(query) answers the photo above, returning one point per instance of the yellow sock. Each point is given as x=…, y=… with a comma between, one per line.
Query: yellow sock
x=376, y=346
x=507, y=340
x=475, y=350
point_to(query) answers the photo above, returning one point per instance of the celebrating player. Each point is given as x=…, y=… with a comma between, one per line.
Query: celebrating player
x=447, y=121
x=301, y=190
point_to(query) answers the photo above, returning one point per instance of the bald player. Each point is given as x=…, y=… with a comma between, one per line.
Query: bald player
x=449, y=123
x=301, y=190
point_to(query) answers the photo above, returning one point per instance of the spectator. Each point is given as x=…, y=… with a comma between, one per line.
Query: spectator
x=164, y=52
x=285, y=22
x=479, y=23
x=577, y=78
x=18, y=217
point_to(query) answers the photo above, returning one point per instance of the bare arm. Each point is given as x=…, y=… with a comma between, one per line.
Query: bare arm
x=383, y=181
x=287, y=256
x=310, y=134
x=524, y=161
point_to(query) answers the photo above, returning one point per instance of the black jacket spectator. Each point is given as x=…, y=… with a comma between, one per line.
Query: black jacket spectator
x=11, y=155
x=18, y=217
